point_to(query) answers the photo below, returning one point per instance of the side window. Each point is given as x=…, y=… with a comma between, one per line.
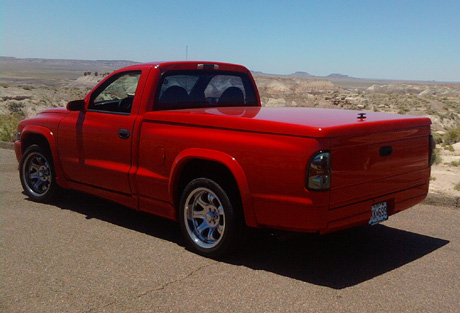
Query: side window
x=117, y=95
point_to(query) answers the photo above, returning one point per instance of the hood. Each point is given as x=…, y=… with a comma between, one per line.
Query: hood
x=55, y=110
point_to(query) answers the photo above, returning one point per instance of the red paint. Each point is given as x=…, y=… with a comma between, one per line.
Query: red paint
x=266, y=150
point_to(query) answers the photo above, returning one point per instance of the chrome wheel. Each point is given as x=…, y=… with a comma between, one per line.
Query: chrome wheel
x=204, y=217
x=37, y=174
x=211, y=223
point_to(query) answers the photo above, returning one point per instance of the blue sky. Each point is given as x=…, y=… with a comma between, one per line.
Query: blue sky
x=413, y=40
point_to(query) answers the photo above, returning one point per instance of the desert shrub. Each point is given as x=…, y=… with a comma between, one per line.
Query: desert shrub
x=454, y=163
x=450, y=105
x=437, y=156
x=16, y=107
x=457, y=187
x=28, y=87
x=5, y=85
x=452, y=135
x=8, y=126
x=403, y=110
x=432, y=178
x=437, y=137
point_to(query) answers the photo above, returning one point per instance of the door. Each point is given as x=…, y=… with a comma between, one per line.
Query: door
x=95, y=145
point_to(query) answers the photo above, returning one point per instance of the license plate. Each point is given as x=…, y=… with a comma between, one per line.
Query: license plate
x=379, y=213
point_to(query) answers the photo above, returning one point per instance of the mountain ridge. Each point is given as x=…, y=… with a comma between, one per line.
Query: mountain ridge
x=7, y=62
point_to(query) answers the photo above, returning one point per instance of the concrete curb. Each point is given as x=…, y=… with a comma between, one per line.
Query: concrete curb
x=7, y=145
x=442, y=200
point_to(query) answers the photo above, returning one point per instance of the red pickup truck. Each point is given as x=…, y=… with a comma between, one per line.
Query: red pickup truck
x=189, y=141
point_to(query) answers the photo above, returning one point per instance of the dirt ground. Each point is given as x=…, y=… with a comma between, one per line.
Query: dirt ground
x=445, y=176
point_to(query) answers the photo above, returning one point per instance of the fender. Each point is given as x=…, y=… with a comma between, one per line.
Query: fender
x=228, y=161
x=49, y=136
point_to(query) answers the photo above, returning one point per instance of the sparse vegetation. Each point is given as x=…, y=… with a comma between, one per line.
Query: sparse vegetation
x=454, y=163
x=437, y=156
x=452, y=135
x=437, y=138
x=403, y=110
x=8, y=126
x=449, y=148
x=16, y=107
x=457, y=186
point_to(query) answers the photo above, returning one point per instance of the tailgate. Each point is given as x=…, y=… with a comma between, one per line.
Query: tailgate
x=374, y=165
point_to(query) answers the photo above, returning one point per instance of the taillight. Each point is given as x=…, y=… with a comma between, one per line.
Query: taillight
x=432, y=148
x=319, y=172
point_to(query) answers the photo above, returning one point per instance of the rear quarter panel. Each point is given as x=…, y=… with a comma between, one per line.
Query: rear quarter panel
x=273, y=181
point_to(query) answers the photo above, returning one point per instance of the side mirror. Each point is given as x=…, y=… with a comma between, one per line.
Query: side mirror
x=76, y=105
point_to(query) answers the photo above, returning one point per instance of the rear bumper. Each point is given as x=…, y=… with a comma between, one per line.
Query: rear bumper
x=360, y=213
x=351, y=205
x=304, y=215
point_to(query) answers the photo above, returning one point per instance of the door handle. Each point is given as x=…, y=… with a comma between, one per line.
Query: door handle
x=124, y=133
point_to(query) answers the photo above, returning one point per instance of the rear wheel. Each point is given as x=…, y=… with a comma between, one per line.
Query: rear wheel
x=37, y=174
x=208, y=219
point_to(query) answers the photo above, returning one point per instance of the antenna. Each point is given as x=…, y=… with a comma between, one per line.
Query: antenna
x=186, y=53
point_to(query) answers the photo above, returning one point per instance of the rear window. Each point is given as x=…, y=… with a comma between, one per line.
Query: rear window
x=200, y=89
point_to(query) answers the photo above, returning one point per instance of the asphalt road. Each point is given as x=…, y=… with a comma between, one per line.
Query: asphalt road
x=82, y=254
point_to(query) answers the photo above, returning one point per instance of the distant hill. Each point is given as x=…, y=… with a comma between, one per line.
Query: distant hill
x=52, y=72
x=305, y=75
x=302, y=75
x=338, y=79
x=339, y=76
x=61, y=72
x=115, y=64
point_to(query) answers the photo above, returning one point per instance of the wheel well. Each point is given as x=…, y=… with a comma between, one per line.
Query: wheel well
x=35, y=139
x=208, y=169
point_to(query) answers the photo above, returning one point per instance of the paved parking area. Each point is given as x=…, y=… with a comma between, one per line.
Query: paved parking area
x=83, y=254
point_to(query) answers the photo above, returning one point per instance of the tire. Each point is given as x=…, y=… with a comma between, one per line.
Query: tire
x=210, y=223
x=36, y=171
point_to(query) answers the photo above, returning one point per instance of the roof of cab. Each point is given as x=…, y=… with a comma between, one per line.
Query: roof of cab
x=189, y=65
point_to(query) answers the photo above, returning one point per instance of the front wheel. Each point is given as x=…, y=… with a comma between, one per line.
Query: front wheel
x=37, y=174
x=208, y=219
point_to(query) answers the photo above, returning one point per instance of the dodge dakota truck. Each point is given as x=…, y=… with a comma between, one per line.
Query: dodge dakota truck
x=189, y=141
